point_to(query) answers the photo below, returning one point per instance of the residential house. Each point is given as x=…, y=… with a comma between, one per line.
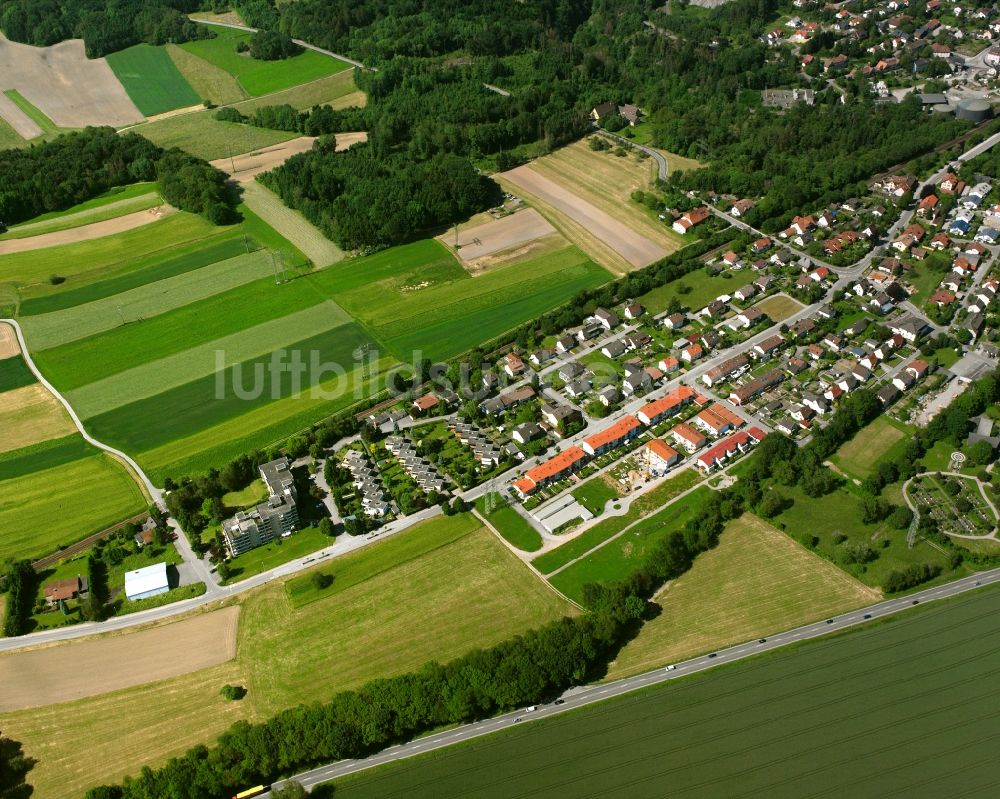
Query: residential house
x=659, y=455
x=725, y=370
x=768, y=347
x=613, y=349
x=740, y=207
x=692, y=353
x=754, y=388
x=566, y=343
x=691, y=219
x=633, y=311
x=513, y=364
x=687, y=437
x=622, y=431
x=544, y=355
x=423, y=405
x=557, y=416
x=669, y=364
x=663, y=408
x=554, y=469
x=608, y=396
x=731, y=447
x=744, y=293
x=528, y=431
x=607, y=319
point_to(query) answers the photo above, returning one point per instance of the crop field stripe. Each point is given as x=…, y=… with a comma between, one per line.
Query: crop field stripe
x=179, y=265
x=101, y=213
x=151, y=79
x=200, y=134
x=159, y=376
x=322, y=91
x=14, y=373
x=45, y=508
x=134, y=306
x=292, y=225
x=81, y=362
x=45, y=455
x=30, y=415
x=410, y=260
x=120, y=252
x=205, y=79
x=852, y=715
x=196, y=405
x=110, y=197
x=34, y=113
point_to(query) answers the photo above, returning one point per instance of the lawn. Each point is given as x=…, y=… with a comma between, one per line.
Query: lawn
x=693, y=291
x=619, y=557
x=434, y=606
x=872, y=713
x=262, y=77
x=253, y=494
x=511, y=525
x=279, y=551
x=593, y=536
x=208, y=81
x=756, y=582
x=201, y=134
x=136, y=305
x=779, y=307
x=427, y=594
x=595, y=494
x=100, y=258
x=839, y=514
x=43, y=510
x=878, y=441
x=152, y=79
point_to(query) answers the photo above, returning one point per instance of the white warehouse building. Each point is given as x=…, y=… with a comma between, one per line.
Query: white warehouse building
x=147, y=581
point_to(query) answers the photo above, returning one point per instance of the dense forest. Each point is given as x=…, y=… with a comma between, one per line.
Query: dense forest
x=80, y=166
x=105, y=26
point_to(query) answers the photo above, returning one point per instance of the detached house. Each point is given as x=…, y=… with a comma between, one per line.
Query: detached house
x=691, y=219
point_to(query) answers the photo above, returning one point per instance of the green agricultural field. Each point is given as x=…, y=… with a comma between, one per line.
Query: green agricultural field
x=839, y=514
x=620, y=556
x=152, y=79
x=428, y=594
x=145, y=270
x=693, y=291
x=603, y=530
x=872, y=713
x=48, y=508
x=338, y=91
x=511, y=525
x=47, y=125
x=292, y=225
x=111, y=255
x=135, y=306
x=201, y=134
x=207, y=80
x=184, y=342
x=418, y=298
x=595, y=494
x=43, y=455
x=118, y=201
x=14, y=373
x=878, y=441
x=199, y=404
x=755, y=583
x=262, y=77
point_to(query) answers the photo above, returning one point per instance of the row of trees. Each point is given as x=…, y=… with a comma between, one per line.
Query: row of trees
x=80, y=166
x=105, y=26
x=524, y=669
x=20, y=583
x=318, y=121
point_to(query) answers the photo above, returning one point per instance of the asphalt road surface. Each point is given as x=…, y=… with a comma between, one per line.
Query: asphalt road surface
x=579, y=697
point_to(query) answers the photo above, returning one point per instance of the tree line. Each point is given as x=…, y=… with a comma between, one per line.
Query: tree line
x=539, y=664
x=319, y=120
x=82, y=165
x=105, y=26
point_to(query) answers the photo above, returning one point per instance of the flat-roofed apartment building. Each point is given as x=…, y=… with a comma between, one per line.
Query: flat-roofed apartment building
x=276, y=517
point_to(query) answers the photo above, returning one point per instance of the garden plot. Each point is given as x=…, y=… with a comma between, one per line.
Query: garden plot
x=39, y=677
x=955, y=503
x=501, y=234
x=70, y=89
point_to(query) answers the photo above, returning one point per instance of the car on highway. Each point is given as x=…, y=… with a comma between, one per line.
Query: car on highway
x=761, y=640
x=531, y=708
x=829, y=621
x=868, y=615
x=671, y=667
x=915, y=602
x=713, y=654
x=559, y=702
x=517, y=720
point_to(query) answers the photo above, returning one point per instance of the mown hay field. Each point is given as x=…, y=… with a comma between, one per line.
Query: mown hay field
x=152, y=80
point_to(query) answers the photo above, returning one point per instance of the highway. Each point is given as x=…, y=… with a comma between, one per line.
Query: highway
x=576, y=698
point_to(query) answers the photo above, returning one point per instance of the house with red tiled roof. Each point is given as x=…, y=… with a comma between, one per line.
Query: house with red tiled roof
x=730, y=447
x=687, y=437
x=611, y=437
x=660, y=455
x=554, y=469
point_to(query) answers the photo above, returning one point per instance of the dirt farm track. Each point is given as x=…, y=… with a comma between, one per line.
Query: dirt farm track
x=64, y=85
x=93, y=666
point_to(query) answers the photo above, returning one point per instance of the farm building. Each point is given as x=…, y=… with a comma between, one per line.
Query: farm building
x=147, y=581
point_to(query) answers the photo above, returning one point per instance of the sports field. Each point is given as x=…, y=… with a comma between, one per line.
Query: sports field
x=152, y=79
x=876, y=442
x=756, y=582
x=262, y=77
x=888, y=710
x=430, y=594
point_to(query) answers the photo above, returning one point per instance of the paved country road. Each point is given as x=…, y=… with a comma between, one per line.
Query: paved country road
x=580, y=697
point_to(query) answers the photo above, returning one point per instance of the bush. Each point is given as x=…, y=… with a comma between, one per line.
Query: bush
x=907, y=578
x=321, y=580
x=229, y=114
x=233, y=693
x=55, y=280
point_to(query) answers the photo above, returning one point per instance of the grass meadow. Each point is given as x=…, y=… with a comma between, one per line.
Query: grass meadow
x=693, y=291
x=202, y=135
x=207, y=81
x=262, y=77
x=118, y=201
x=511, y=525
x=43, y=509
x=338, y=90
x=856, y=714
x=429, y=594
x=756, y=582
x=14, y=373
x=878, y=441
x=152, y=79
